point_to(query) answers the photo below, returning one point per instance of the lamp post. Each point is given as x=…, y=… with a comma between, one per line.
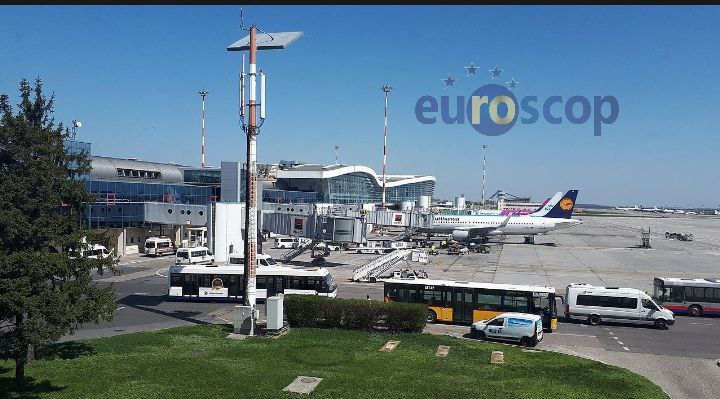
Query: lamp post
x=268, y=41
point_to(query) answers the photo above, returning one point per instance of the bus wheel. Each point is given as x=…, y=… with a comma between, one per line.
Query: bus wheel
x=661, y=324
x=526, y=342
x=431, y=317
x=594, y=320
x=695, y=311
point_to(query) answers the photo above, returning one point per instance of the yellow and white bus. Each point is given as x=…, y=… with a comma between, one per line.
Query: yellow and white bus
x=468, y=302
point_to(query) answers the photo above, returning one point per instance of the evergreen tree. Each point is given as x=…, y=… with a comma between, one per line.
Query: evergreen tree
x=45, y=293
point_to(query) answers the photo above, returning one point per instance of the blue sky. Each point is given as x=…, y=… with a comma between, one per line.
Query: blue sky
x=131, y=75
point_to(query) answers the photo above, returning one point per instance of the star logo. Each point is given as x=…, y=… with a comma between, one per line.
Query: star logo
x=512, y=83
x=471, y=69
x=449, y=82
x=496, y=72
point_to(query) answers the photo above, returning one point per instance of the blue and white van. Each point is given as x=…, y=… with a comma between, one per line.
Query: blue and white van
x=524, y=328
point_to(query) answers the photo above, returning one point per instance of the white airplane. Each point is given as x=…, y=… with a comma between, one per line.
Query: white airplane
x=555, y=215
x=653, y=209
x=624, y=208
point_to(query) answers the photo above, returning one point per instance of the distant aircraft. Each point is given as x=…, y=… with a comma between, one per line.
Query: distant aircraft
x=653, y=209
x=622, y=208
x=555, y=215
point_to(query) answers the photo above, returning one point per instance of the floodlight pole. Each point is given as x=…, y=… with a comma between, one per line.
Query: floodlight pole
x=483, y=176
x=386, y=89
x=203, y=94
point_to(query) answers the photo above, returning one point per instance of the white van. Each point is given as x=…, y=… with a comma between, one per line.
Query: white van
x=262, y=259
x=159, y=246
x=373, y=247
x=96, y=251
x=193, y=256
x=286, y=242
x=520, y=327
x=594, y=304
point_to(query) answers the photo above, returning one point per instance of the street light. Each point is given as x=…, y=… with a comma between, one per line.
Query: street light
x=253, y=43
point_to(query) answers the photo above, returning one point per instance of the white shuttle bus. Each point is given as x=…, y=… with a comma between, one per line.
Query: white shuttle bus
x=193, y=256
x=159, y=246
x=595, y=304
x=198, y=282
x=262, y=259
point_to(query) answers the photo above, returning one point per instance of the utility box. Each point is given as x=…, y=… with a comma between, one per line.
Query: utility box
x=274, y=309
x=243, y=320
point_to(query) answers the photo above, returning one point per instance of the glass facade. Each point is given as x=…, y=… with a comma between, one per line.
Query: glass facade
x=118, y=192
x=410, y=192
x=350, y=188
x=202, y=176
x=120, y=204
x=107, y=215
x=291, y=197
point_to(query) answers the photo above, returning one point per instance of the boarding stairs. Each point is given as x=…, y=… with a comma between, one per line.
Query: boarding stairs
x=378, y=266
x=295, y=252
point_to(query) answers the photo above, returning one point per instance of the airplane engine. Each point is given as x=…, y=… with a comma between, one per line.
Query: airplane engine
x=460, y=235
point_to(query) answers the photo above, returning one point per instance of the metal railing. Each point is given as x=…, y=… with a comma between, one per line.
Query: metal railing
x=379, y=265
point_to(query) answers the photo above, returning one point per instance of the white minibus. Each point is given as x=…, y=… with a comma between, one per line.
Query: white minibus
x=193, y=256
x=595, y=304
x=159, y=246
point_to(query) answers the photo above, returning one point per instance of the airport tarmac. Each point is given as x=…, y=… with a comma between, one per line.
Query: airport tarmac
x=603, y=251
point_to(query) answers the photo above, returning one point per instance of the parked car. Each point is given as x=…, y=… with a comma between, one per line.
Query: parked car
x=329, y=246
x=525, y=328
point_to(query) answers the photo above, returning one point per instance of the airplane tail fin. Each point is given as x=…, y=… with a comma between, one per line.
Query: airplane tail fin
x=563, y=209
x=548, y=205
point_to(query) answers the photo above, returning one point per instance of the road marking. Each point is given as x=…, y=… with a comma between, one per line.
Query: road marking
x=120, y=308
x=620, y=343
x=157, y=272
x=616, y=338
x=140, y=293
x=626, y=348
x=612, y=333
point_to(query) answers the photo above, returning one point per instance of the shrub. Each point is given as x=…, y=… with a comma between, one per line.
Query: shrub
x=354, y=314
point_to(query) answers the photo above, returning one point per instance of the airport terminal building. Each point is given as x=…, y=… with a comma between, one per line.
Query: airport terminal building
x=344, y=184
x=135, y=199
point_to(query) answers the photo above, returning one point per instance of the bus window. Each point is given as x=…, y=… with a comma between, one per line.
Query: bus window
x=488, y=301
x=260, y=283
x=176, y=280
x=516, y=302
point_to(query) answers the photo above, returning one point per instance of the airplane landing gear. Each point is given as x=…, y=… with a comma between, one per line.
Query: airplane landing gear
x=529, y=239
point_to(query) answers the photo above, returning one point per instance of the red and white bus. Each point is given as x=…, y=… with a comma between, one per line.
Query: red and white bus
x=692, y=296
x=159, y=246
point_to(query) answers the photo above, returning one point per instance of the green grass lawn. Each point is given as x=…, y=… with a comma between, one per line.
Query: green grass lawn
x=200, y=363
